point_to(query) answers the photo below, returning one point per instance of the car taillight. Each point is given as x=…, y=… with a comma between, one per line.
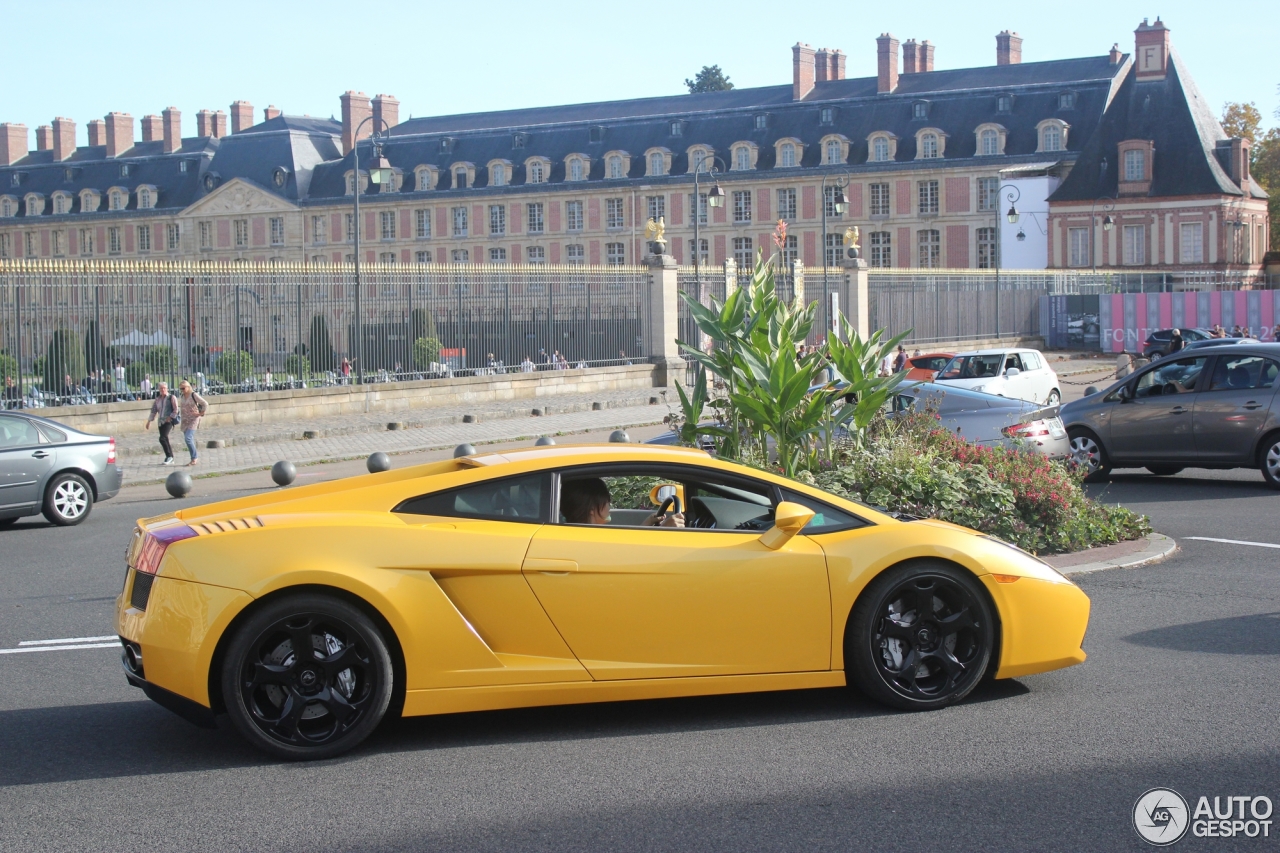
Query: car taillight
x=156, y=542
x=111, y=451
x=1031, y=430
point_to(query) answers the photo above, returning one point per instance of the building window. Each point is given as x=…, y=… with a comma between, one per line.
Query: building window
x=575, y=170
x=615, y=168
x=829, y=202
x=677, y=128
x=497, y=219
x=7, y=207
x=743, y=252
x=350, y=220
x=1191, y=245
x=880, y=149
x=422, y=223
x=701, y=207
x=927, y=194
x=742, y=205
x=657, y=207
x=30, y=240
x=422, y=257
x=930, y=246
x=277, y=231
x=1067, y=101
x=459, y=221
x=242, y=233
x=117, y=200
x=787, y=204
x=827, y=115
x=929, y=146
x=703, y=256
x=534, y=211
x=1004, y=103
x=172, y=232
x=835, y=249
x=113, y=242
x=206, y=235
x=497, y=255
x=657, y=164
x=1135, y=244
x=762, y=121
x=986, y=248
x=742, y=159
x=144, y=199
x=787, y=155
x=57, y=240
x=920, y=109
x=460, y=256
x=879, y=199
x=835, y=152
x=317, y=229
x=1135, y=165
x=6, y=245
x=790, y=251
x=988, y=193
x=499, y=175
x=423, y=180
x=614, y=216
x=699, y=160
x=460, y=179
x=1051, y=138
x=615, y=254
x=990, y=142
x=535, y=255
x=1078, y=247
x=574, y=254
x=60, y=203
x=387, y=224
x=387, y=257
x=86, y=240
x=537, y=172
x=573, y=215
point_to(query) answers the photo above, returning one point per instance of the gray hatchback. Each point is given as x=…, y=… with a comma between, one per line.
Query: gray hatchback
x=48, y=467
x=1209, y=408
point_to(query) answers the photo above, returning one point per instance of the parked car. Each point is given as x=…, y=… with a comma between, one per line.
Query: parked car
x=51, y=468
x=923, y=368
x=1219, y=342
x=1023, y=374
x=988, y=419
x=1157, y=343
x=1213, y=408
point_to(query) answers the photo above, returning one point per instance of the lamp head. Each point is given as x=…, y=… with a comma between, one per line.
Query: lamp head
x=715, y=198
x=1013, y=214
x=840, y=202
x=379, y=169
x=1022, y=235
x=1108, y=223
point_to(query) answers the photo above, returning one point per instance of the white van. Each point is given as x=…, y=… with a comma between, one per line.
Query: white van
x=1022, y=374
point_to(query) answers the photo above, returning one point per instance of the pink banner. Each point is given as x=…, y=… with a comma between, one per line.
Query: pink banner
x=1126, y=320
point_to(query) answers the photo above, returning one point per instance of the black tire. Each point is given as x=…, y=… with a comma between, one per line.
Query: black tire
x=901, y=658
x=1269, y=459
x=314, y=708
x=1054, y=399
x=1164, y=470
x=68, y=499
x=1087, y=450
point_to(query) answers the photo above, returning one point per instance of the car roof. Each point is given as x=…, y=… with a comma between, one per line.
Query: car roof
x=576, y=452
x=999, y=351
x=26, y=413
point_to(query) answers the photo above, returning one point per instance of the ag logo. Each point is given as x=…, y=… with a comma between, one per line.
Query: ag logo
x=1160, y=816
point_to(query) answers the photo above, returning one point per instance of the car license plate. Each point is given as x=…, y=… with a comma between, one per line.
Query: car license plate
x=1055, y=428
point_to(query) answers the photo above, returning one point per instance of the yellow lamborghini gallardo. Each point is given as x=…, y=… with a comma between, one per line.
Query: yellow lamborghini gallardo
x=566, y=574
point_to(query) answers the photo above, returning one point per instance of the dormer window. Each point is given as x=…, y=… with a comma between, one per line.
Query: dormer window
x=1067, y=100
x=1053, y=135
x=677, y=128
x=518, y=140
x=991, y=140
x=928, y=146
x=827, y=115
x=762, y=121
x=743, y=156
x=350, y=182
x=700, y=160
x=35, y=204
x=1135, y=165
x=124, y=170
x=576, y=168
x=61, y=203
x=459, y=179
x=89, y=201
x=881, y=147
x=8, y=206
x=788, y=153
x=536, y=170
x=69, y=174
x=146, y=198
x=446, y=145
x=117, y=199
x=15, y=180
x=424, y=178
x=834, y=150
x=1004, y=103
x=657, y=164
x=596, y=134
x=182, y=165
x=497, y=174
x=615, y=167
x=920, y=109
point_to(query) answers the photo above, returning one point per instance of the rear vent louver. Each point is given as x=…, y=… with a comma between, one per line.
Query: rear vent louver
x=141, y=589
x=226, y=525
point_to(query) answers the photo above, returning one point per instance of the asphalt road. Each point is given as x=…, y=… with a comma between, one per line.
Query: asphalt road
x=1179, y=690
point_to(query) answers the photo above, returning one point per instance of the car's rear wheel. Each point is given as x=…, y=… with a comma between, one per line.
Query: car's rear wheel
x=1164, y=470
x=1055, y=397
x=306, y=677
x=1087, y=452
x=67, y=499
x=920, y=637
x=1269, y=460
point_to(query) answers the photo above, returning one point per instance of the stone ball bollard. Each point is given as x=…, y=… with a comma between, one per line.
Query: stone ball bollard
x=378, y=462
x=178, y=484
x=619, y=436
x=463, y=450
x=1091, y=390
x=283, y=472
x=545, y=441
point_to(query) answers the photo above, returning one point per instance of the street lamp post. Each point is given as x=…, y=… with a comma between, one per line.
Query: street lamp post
x=1014, y=195
x=1108, y=205
x=839, y=180
x=379, y=173
x=715, y=199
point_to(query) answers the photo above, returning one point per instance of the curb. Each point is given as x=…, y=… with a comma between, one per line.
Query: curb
x=1159, y=547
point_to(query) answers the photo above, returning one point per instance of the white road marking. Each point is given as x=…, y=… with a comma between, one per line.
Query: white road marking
x=1233, y=541
x=67, y=640
x=62, y=648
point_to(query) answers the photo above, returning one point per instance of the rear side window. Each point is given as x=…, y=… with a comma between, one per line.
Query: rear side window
x=1031, y=361
x=524, y=499
x=55, y=435
x=1243, y=372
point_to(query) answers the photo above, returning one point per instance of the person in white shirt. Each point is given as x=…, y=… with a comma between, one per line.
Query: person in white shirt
x=145, y=387
x=526, y=366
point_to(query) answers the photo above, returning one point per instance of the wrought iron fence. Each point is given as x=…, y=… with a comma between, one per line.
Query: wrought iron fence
x=958, y=305
x=86, y=332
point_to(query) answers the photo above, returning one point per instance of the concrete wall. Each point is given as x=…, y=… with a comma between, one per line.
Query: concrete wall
x=302, y=404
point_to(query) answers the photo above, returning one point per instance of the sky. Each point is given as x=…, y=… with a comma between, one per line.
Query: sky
x=90, y=58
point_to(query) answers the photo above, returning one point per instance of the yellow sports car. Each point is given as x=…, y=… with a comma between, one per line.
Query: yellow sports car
x=566, y=574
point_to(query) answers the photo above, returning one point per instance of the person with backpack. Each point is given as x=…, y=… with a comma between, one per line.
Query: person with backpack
x=191, y=408
x=165, y=410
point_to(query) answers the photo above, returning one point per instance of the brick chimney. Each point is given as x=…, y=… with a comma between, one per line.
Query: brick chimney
x=821, y=65
x=204, y=123
x=13, y=143
x=1151, y=50
x=926, y=56
x=270, y=112
x=910, y=57
x=886, y=63
x=355, y=109
x=241, y=116
x=97, y=132
x=836, y=64
x=152, y=128
x=1008, y=48
x=803, y=71
x=219, y=124
x=172, y=129
x=386, y=109
x=119, y=133
x=64, y=138
x=44, y=138
x=1115, y=54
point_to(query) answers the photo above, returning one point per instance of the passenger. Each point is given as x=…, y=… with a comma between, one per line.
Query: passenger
x=589, y=502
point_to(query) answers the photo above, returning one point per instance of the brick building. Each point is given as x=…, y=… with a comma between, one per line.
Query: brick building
x=924, y=152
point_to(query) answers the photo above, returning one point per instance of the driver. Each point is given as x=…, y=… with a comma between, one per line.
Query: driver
x=588, y=502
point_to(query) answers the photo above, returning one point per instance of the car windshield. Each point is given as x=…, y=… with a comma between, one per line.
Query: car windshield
x=1176, y=377
x=973, y=366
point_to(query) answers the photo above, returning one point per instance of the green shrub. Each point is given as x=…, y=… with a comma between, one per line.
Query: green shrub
x=37, y=367
x=235, y=366
x=160, y=360
x=426, y=351
x=8, y=366
x=297, y=365
x=65, y=357
x=135, y=372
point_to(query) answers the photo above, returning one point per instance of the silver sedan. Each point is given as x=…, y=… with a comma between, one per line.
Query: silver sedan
x=989, y=419
x=46, y=467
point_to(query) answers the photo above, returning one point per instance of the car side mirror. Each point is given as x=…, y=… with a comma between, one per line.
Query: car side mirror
x=1012, y=372
x=788, y=519
x=1126, y=393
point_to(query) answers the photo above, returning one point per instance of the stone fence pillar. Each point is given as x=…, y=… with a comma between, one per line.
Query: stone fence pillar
x=661, y=326
x=854, y=295
x=730, y=277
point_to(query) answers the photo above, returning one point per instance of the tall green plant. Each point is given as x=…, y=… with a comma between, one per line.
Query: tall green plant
x=857, y=363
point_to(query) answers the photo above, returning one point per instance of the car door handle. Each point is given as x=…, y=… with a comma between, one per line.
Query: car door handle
x=39, y=454
x=1178, y=410
x=1252, y=405
x=550, y=567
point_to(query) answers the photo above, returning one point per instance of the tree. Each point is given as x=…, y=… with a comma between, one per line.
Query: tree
x=1265, y=169
x=1241, y=120
x=422, y=324
x=322, y=356
x=709, y=79
x=65, y=358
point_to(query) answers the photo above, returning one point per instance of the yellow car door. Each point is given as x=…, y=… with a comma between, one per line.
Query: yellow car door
x=651, y=602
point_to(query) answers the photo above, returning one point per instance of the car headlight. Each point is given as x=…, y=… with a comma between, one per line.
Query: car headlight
x=978, y=387
x=1026, y=554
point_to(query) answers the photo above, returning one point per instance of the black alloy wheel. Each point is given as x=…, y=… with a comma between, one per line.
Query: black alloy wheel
x=67, y=499
x=1164, y=470
x=307, y=677
x=1269, y=460
x=1089, y=453
x=920, y=637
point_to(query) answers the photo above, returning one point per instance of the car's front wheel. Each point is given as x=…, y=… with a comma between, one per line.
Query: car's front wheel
x=1087, y=452
x=1269, y=459
x=67, y=499
x=920, y=637
x=307, y=676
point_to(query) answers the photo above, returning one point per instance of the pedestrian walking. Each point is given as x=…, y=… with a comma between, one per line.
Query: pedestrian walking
x=1175, y=342
x=164, y=410
x=900, y=360
x=527, y=366
x=191, y=408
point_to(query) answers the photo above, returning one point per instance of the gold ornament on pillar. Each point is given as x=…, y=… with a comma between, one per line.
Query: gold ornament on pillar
x=851, y=237
x=655, y=231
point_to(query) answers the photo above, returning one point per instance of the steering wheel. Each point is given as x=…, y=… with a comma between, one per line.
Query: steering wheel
x=673, y=499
